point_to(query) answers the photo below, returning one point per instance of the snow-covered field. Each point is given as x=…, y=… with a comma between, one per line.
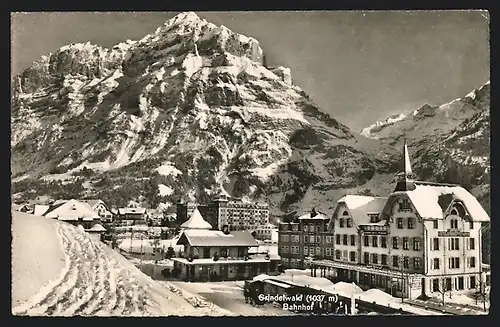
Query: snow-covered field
x=80, y=276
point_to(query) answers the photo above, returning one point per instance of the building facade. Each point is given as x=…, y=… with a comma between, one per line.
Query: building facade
x=309, y=237
x=423, y=239
x=222, y=211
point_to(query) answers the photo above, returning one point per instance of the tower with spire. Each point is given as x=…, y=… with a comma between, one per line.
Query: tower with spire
x=405, y=177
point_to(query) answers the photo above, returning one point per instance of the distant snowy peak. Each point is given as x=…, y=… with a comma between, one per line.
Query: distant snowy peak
x=367, y=131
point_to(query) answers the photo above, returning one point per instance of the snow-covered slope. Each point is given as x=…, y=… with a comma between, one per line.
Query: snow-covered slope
x=90, y=279
x=187, y=110
x=449, y=143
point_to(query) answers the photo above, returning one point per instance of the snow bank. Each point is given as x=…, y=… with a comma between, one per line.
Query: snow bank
x=168, y=169
x=165, y=190
x=376, y=295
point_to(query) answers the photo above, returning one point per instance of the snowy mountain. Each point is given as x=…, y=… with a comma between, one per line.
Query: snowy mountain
x=189, y=110
x=449, y=143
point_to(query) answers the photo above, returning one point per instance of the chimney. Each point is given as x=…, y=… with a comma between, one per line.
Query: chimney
x=313, y=213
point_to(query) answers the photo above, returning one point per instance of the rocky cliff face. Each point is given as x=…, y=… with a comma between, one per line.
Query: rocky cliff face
x=187, y=110
x=190, y=110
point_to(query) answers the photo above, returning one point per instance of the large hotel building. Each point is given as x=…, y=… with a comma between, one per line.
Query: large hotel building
x=423, y=239
x=236, y=214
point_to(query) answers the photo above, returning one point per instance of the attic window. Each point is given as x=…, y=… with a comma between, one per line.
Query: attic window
x=345, y=213
x=454, y=212
x=404, y=205
x=73, y=208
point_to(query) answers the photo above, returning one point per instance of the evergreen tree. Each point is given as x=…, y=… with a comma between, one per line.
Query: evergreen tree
x=264, y=61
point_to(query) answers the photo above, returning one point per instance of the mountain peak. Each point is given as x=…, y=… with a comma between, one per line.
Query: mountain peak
x=183, y=18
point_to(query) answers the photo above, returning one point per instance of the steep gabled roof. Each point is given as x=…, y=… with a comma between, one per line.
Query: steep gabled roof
x=93, y=202
x=431, y=200
x=196, y=221
x=359, y=206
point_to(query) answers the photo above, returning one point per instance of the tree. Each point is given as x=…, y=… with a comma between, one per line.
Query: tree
x=264, y=61
x=170, y=252
x=442, y=289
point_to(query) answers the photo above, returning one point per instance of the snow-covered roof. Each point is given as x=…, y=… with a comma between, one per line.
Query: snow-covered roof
x=310, y=215
x=93, y=202
x=126, y=211
x=196, y=221
x=71, y=210
x=97, y=228
x=40, y=209
x=204, y=237
x=426, y=200
x=360, y=206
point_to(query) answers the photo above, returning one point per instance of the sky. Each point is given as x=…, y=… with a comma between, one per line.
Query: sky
x=360, y=67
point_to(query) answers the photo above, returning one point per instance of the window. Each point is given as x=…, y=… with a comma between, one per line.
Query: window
x=311, y=229
x=471, y=225
x=384, y=259
x=405, y=243
x=295, y=238
x=284, y=238
x=318, y=239
x=395, y=243
x=472, y=244
x=344, y=239
x=344, y=254
x=404, y=205
x=352, y=256
x=395, y=261
x=454, y=223
x=383, y=242
x=306, y=239
x=460, y=283
x=454, y=263
x=416, y=263
x=406, y=262
x=375, y=258
x=453, y=244
x=472, y=262
x=435, y=243
x=448, y=284
x=353, y=239
x=328, y=239
x=367, y=258
x=435, y=263
x=416, y=244
x=306, y=228
x=318, y=250
x=367, y=241
x=337, y=239
x=435, y=285
x=306, y=250
x=454, y=212
x=328, y=252
x=375, y=241
x=341, y=222
x=345, y=213
x=337, y=254
x=411, y=223
x=349, y=222
x=400, y=223
x=435, y=224
x=472, y=280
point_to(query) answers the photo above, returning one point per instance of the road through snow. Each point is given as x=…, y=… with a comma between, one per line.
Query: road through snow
x=93, y=279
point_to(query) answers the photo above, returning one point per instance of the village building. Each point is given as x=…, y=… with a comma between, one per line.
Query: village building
x=422, y=240
x=309, y=237
x=73, y=212
x=131, y=216
x=98, y=206
x=222, y=211
x=21, y=208
x=264, y=233
x=219, y=255
x=96, y=232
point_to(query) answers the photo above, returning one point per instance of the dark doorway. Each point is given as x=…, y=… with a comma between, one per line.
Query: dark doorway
x=223, y=272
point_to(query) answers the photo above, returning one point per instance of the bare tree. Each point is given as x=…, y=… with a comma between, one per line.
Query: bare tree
x=442, y=289
x=482, y=292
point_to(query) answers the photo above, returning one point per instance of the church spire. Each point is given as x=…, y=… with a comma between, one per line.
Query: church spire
x=404, y=178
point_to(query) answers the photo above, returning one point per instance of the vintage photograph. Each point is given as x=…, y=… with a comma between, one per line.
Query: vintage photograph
x=257, y=163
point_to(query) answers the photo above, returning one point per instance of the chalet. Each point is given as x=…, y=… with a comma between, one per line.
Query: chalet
x=132, y=215
x=101, y=208
x=219, y=255
x=73, y=212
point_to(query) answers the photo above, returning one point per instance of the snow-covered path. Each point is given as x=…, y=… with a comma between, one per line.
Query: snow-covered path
x=93, y=280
